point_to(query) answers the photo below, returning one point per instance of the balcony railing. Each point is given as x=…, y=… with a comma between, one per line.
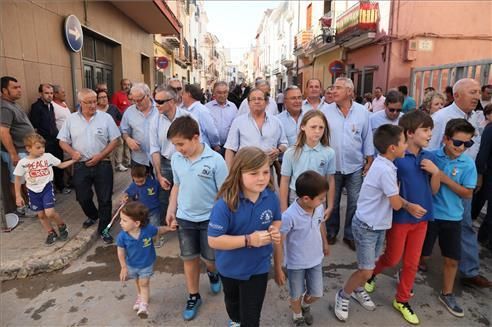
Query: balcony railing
x=302, y=39
x=361, y=18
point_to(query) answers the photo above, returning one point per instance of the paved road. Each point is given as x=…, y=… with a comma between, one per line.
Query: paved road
x=88, y=293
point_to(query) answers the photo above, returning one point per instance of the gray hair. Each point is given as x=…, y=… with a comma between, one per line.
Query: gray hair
x=169, y=90
x=84, y=92
x=348, y=82
x=220, y=83
x=430, y=96
x=56, y=88
x=140, y=88
x=461, y=83
x=290, y=88
x=261, y=82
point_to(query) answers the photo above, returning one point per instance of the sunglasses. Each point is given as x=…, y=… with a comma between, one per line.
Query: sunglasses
x=179, y=88
x=394, y=110
x=458, y=143
x=161, y=102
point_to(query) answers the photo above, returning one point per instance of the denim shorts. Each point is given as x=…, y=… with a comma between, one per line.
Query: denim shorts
x=193, y=240
x=368, y=244
x=155, y=217
x=145, y=272
x=42, y=200
x=310, y=279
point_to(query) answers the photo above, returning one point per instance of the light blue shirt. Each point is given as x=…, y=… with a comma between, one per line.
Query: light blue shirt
x=447, y=204
x=380, y=118
x=408, y=104
x=158, y=133
x=245, y=132
x=271, y=107
x=291, y=127
x=303, y=247
x=443, y=116
x=210, y=134
x=373, y=205
x=202, y=179
x=137, y=126
x=223, y=117
x=89, y=137
x=306, y=106
x=320, y=159
x=350, y=137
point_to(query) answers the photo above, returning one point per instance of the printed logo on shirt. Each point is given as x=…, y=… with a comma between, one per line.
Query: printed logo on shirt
x=150, y=191
x=215, y=226
x=147, y=242
x=206, y=172
x=99, y=131
x=266, y=217
x=322, y=164
x=39, y=168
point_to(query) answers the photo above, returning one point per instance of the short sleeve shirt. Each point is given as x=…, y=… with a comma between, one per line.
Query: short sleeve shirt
x=148, y=193
x=13, y=117
x=249, y=217
x=140, y=253
x=37, y=172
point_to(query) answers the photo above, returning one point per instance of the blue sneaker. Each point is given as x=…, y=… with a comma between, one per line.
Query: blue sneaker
x=191, y=308
x=233, y=324
x=215, y=284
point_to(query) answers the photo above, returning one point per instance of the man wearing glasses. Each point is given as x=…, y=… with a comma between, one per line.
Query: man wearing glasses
x=177, y=86
x=89, y=136
x=391, y=113
x=135, y=125
x=292, y=115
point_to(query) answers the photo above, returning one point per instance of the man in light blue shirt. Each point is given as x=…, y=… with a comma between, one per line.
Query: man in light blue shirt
x=313, y=101
x=271, y=105
x=89, y=136
x=351, y=138
x=466, y=94
x=292, y=115
x=391, y=113
x=135, y=124
x=222, y=111
x=191, y=101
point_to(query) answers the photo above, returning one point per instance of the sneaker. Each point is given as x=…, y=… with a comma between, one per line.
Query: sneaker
x=215, y=284
x=397, y=276
x=120, y=167
x=299, y=321
x=406, y=311
x=63, y=232
x=449, y=302
x=341, y=306
x=370, y=285
x=191, y=308
x=143, y=312
x=136, y=306
x=306, y=313
x=66, y=190
x=233, y=324
x=107, y=238
x=364, y=299
x=51, y=238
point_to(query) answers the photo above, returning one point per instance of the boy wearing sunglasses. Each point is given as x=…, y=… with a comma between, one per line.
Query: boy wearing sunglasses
x=458, y=179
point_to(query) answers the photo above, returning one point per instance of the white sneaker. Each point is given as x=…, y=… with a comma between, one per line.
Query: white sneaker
x=364, y=299
x=341, y=307
x=143, y=311
x=120, y=167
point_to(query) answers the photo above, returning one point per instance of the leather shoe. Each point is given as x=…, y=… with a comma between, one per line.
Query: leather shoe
x=88, y=223
x=332, y=240
x=350, y=243
x=477, y=281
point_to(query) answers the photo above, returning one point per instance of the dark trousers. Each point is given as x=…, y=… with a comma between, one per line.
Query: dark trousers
x=167, y=173
x=53, y=147
x=244, y=298
x=100, y=177
x=479, y=198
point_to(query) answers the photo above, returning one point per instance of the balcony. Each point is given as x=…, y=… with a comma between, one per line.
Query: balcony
x=170, y=41
x=302, y=39
x=358, y=25
x=286, y=60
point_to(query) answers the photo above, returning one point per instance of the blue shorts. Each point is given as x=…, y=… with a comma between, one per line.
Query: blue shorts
x=368, y=244
x=155, y=217
x=305, y=280
x=6, y=159
x=193, y=240
x=145, y=272
x=42, y=200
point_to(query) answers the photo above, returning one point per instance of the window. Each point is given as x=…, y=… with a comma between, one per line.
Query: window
x=326, y=6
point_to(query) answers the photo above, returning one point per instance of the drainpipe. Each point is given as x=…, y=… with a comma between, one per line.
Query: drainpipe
x=389, y=46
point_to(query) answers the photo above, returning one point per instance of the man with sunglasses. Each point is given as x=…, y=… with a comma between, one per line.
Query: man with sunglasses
x=136, y=122
x=392, y=110
x=177, y=86
x=466, y=93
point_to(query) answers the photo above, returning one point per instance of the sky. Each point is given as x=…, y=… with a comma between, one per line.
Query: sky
x=235, y=23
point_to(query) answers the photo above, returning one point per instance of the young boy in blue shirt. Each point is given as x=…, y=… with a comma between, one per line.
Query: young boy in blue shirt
x=305, y=244
x=379, y=196
x=198, y=174
x=458, y=179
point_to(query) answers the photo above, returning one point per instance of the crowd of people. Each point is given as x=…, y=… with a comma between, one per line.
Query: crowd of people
x=242, y=182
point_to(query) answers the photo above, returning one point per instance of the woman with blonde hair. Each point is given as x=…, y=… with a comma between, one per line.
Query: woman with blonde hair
x=433, y=102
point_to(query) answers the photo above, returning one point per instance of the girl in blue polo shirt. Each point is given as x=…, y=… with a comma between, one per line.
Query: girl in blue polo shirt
x=136, y=251
x=244, y=223
x=312, y=151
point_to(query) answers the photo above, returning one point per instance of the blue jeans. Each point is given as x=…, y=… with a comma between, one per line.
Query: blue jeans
x=470, y=261
x=308, y=280
x=368, y=244
x=352, y=182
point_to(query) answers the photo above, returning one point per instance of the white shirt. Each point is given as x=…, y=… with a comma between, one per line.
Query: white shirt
x=271, y=108
x=378, y=104
x=38, y=172
x=61, y=114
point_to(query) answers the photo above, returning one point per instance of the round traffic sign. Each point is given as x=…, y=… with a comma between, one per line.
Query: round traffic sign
x=73, y=33
x=162, y=62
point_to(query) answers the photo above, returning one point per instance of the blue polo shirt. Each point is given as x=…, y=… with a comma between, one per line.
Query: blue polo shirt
x=140, y=253
x=148, y=193
x=447, y=204
x=199, y=182
x=249, y=217
x=320, y=159
x=414, y=186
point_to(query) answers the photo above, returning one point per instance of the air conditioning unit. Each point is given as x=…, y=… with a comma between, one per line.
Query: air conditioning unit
x=410, y=49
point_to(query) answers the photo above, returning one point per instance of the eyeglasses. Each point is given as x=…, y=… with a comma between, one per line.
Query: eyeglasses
x=90, y=103
x=179, y=88
x=458, y=143
x=140, y=100
x=161, y=102
x=394, y=110
x=257, y=99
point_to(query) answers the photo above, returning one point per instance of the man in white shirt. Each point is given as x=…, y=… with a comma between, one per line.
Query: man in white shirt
x=378, y=101
x=313, y=95
x=264, y=86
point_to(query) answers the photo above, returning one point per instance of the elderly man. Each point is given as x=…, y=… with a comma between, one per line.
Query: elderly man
x=191, y=102
x=62, y=111
x=135, y=125
x=378, y=100
x=466, y=93
x=177, y=86
x=222, y=111
x=89, y=136
x=329, y=95
x=264, y=86
x=14, y=125
x=313, y=95
x=391, y=113
x=351, y=138
x=291, y=117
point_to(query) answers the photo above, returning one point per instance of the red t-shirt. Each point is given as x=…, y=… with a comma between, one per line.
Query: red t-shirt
x=120, y=100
